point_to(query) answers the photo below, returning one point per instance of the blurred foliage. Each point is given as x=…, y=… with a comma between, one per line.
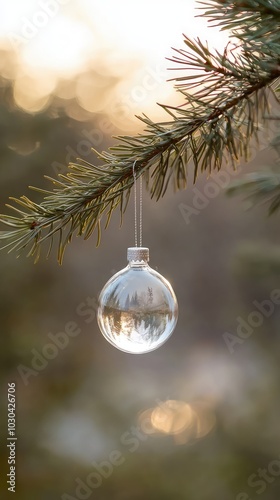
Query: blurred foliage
x=78, y=408
x=226, y=95
x=262, y=187
x=87, y=401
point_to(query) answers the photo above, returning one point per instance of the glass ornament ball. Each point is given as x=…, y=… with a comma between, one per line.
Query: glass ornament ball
x=137, y=309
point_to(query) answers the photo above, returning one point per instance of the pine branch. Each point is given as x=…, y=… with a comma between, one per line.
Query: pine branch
x=226, y=95
x=252, y=21
x=261, y=187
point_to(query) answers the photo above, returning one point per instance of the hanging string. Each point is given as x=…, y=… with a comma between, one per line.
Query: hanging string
x=135, y=206
x=140, y=209
x=141, y=212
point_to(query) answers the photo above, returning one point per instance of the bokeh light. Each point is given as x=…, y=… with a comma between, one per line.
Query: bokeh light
x=192, y=419
x=114, y=51
x=186, y=422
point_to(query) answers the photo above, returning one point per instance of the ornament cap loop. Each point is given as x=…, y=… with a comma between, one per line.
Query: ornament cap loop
x=138, y=254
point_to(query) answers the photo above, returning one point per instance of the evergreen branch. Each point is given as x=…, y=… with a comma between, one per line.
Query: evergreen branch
x=259, y=187
x=254, y=22
x=225, y=97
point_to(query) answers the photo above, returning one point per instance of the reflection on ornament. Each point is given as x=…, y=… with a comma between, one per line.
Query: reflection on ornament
x=137, y=309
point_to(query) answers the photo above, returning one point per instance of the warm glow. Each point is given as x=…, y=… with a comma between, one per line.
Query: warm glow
x=172, y=417
x=204, y=421
x=185, y=422
x=32, y=91
x=116, y=50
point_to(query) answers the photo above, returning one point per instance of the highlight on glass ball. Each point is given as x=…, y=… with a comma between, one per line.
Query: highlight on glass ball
x=138, y=308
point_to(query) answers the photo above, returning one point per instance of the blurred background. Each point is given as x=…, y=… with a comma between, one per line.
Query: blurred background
x=197, y=419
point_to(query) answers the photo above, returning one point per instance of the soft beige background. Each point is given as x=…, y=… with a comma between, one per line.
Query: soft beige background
x=191, y=420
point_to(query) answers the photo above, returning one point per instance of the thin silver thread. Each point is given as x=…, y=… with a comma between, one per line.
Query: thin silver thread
x=135, y=205
x=141, y=212
x=140, y=209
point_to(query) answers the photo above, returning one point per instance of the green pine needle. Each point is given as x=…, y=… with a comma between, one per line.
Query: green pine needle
x=225, y=97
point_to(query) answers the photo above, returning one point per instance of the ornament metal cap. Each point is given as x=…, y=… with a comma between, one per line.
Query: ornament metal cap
x=138, y=254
